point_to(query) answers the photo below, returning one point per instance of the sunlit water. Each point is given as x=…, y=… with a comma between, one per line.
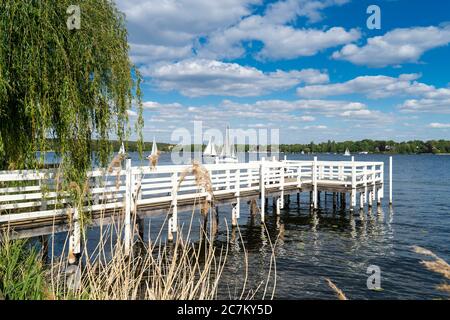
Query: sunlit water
x=338, y=244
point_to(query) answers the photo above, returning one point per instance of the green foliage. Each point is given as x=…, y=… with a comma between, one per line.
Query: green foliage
x=21, y=271
x=69, y=86
x=371, y=146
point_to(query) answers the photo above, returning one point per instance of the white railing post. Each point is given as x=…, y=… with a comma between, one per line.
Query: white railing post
x=353, y=193
x=370, y=195
x=314, y=178
x=128, y=204
x=282, y=186
x=374, y=182
x=262, y=190
x=381, y=189
x=365, y=183
x=390, y=180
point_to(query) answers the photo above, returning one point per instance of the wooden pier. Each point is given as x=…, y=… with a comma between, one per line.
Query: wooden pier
x=30, y=204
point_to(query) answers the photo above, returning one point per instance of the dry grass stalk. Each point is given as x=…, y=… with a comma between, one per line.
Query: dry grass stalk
x=182, y=270
x=202, y=181
x=438, y=265
x=116, y=164
x=153, y=160
x=339, y=293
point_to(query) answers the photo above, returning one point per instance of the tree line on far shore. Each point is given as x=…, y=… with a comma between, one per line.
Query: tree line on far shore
x=370, y=146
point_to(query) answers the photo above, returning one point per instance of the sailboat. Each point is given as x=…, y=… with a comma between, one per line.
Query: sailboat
x=154, y=149
x=228, y=154
x=122, y=150
x=347, y=153
x=210, y=150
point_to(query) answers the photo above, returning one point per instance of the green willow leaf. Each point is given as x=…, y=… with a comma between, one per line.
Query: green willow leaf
x=67, y=87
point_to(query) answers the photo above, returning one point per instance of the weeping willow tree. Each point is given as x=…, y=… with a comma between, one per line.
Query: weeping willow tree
x=64, y=87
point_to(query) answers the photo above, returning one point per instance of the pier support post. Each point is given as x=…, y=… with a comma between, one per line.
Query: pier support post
x=315, y=195
x=140, y=227
x=361, y=200
x=281, y=198
x=379, y=196
x=352, y=199
x=44, y=248
x=279, y=205
x=173, y=219
x=235, y=212
x=381, y=190
x=343, y=200
x=390, y=180
x=253, y=207
x=374, y=193
x=262, y=191
x=311, y=199
x=75, y=239
x=129, y=184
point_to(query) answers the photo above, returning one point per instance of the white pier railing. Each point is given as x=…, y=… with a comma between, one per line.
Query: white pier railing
x=27, y=196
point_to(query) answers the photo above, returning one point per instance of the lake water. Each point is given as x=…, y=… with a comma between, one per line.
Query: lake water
x=341, y=245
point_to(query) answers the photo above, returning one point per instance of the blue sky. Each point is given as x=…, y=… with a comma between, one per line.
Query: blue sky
x=310, y=68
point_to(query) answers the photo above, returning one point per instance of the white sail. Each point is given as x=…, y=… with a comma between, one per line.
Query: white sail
x=347, y=152
x=228, y=154
x=213, y=150
x=154, y=148
x=233, y=151
x=122, y=149
x=210, y=149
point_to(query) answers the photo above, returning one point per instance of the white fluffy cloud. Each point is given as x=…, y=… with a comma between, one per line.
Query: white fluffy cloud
x=286, y=111
x=167, y=30
x=405, y=45
x=440, y=106
x=437, y=125
x=318, y=127
x=288, y=10
x=149, y=53
x=201, y=77
x=178, y=22
x=172, y=30
x=279, y=41
x=375, y=87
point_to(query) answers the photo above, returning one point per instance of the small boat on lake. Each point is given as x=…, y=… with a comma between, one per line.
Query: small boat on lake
x=210, y=150
x=347, y=153
x=122, y=149
x=154, y=150
x=228, y=154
